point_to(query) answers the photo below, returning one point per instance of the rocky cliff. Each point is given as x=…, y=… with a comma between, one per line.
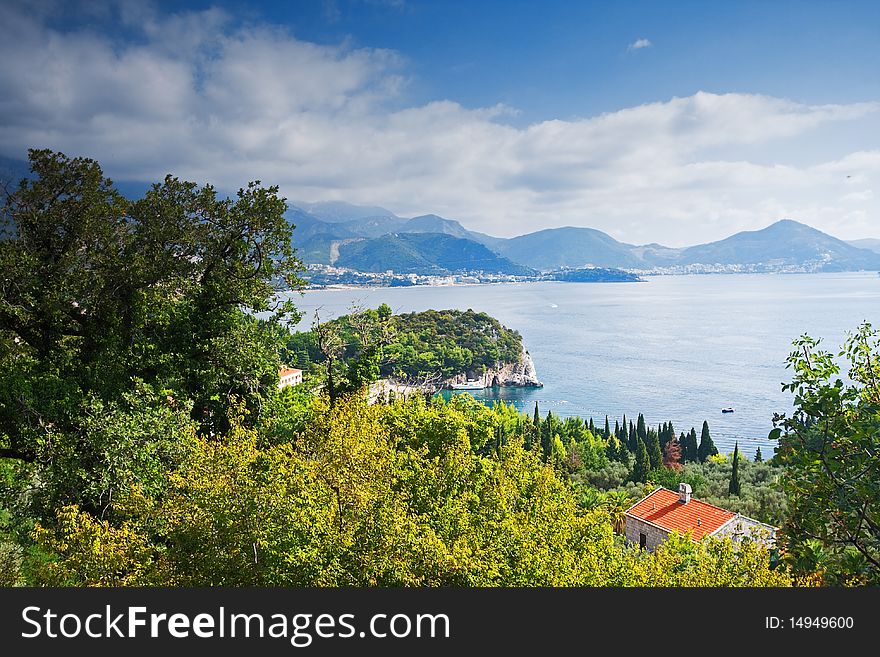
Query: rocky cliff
x=521, y=374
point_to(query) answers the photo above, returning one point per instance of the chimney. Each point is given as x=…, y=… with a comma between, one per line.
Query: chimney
x=684, y=493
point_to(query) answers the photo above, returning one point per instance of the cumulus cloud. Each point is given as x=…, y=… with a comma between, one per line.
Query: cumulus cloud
x=206, y=98
x=638, y=44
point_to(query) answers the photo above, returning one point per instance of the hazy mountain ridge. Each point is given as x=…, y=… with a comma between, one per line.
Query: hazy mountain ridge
x=335, y=212
x=424, y=253
x=432, y=223
x=325, y=231
x=785, y=245
x=869, y=243
x=785, y=242
x=554, y=248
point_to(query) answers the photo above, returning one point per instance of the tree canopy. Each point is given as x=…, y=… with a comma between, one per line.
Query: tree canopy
x=828, y=447
x=114, y=309
x=439, y=343
x=404, y=494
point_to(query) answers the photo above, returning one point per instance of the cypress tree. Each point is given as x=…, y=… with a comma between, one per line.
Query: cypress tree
x=611, y=449
x=707, y=447
x=758, y=457
x=617, y=429
x=655, y=454
x=633, y=438
x=641, y=429
x=607, y=429
x=666, y=436
x=642, y=466
x=533, y=430
x=689, y=447
x=547, y=436
x=624, y=435
x=592, y=427
x=735, y=488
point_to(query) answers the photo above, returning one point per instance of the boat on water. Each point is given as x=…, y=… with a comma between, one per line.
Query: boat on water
x=727, y=410
x=468, y=385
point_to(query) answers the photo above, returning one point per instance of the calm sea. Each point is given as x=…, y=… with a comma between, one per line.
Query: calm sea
x=676, y=348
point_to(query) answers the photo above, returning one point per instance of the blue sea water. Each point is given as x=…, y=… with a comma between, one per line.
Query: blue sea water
x=676, y=348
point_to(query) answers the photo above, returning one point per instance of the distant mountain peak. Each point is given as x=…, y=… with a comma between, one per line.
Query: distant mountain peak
x=424, y=253
x=790, y=223
x=784, y=245
x=340, y=211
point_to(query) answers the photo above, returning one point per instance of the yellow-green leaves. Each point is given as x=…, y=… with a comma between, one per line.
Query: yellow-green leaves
x=392, y=495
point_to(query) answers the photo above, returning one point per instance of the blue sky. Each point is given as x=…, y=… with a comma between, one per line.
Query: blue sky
x=565, y=59
x=674, y=122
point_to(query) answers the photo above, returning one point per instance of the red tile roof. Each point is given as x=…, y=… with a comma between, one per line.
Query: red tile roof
x=663, y=508
x=284, y=371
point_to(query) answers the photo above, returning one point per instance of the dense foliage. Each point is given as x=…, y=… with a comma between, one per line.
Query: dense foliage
x=829, y=448
x=416, y=346
x=411, y=493
x=612, y=464
x=449, y=342
x=144, y=440
x=593, y=275
x=125, y=324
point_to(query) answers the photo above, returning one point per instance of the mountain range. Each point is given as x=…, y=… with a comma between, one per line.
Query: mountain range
x=872, y=244
x=375, y=239
x=424, y=253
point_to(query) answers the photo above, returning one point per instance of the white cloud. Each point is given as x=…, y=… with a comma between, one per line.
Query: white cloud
x=196, y=95
x=638, y=44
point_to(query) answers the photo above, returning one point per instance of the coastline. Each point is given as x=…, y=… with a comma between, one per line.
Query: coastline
x=643, y=279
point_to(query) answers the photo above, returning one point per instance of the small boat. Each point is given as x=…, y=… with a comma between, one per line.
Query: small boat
x=468, y=385
x=727, y=410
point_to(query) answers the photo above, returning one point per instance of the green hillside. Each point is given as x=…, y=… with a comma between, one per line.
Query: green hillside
x=424, y=253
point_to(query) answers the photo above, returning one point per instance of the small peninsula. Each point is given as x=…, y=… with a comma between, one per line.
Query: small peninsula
x=435, y=349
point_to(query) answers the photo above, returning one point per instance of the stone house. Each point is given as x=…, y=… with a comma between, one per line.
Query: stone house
x=653, y=518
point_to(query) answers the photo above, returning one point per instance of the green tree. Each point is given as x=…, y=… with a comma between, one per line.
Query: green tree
x=641, y=429
x=616, y=503
x=758, y=457
x=102, y=298
x=373, y=495
x=707, y=447
x=735, y=487
x=642, y=466
x=655, y=456
x=689, y=448
x=550, y=428
x=351, y=350
x=828, y=448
